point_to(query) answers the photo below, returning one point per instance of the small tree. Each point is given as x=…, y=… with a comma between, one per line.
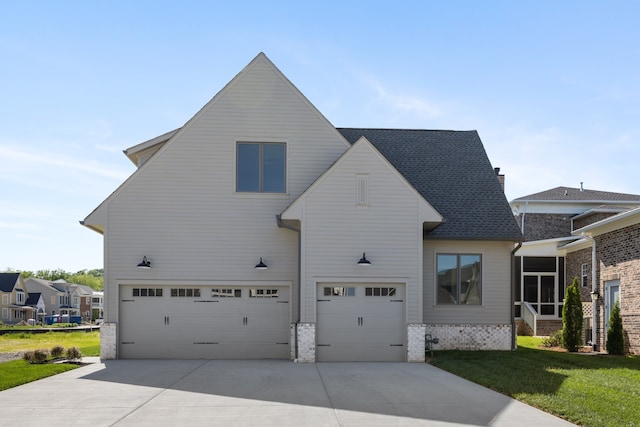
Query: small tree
x=572, y=318
x=615, y=334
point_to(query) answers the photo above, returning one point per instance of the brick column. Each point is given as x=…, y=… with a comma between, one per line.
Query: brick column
x=306, y=342
x=415, y=342
x=108, y=340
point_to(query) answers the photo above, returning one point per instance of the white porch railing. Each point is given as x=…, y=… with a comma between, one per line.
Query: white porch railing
x=530, y=317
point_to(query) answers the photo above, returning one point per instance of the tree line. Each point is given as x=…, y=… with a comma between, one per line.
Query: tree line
x=92, y=278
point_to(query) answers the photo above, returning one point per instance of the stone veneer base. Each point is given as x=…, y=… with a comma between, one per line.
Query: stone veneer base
x=471, y=337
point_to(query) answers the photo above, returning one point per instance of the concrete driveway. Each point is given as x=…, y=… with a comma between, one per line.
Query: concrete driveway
x=261, y=393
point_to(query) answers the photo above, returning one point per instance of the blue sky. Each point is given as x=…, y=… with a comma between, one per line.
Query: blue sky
x=553, y=88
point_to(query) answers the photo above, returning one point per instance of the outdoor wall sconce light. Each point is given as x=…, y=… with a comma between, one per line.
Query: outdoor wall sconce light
x=364, y=262
x=145, y=264
x=595, y=295
x=261, y=265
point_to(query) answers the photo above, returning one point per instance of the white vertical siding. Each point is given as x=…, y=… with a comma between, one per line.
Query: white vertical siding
x=337, y=230
x=496, y=283
x=180, y=209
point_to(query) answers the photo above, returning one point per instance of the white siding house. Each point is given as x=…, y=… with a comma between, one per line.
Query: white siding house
x=258, y=177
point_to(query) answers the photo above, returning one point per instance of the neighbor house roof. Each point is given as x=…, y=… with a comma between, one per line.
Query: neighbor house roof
x=574, y=194
x=451, y=170
x=33, y=298
x=8, y=281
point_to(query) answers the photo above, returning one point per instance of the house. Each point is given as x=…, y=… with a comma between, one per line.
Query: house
x=81, y=296
x=260, y=230
x=52, y=297
x=36, y=301
x=13, y=299
x=553, y=254
x=614, y=244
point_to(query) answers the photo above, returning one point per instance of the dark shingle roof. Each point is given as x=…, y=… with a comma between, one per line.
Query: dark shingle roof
x=569, y=193
x=8, y=281
x=451, y=170
x=33, y=298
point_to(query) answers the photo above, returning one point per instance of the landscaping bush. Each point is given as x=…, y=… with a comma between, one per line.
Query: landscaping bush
x=40, y=355
x=553, y=340
x=28, y=356
x=74, y=353
x=615, y=333
x=57, y=352
x=572, y=318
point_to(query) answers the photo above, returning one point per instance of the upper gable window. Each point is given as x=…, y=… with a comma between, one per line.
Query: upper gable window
x=261, y=167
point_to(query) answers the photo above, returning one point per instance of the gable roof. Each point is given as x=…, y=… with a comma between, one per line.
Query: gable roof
x=33, y=298
x=428, y=213
x=8, y=281
x=576, y=194
x=148, y=149
x=450, y=170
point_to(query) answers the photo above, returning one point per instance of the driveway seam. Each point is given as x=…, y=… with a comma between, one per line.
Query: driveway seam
x=324, y=386
x=164, y=389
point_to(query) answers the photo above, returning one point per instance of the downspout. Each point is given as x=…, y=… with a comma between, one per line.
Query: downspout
x=514, y=343
x=283, y=225
x=594, y=292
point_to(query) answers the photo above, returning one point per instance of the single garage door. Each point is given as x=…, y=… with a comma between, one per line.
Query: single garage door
x=204, y=322
x=360, y=322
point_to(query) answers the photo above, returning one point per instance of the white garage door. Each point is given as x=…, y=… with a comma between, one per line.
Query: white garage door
x=204, y=322
x=360, y=322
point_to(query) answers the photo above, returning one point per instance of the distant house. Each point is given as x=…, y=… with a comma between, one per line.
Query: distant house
x=13, y=299
x=36, y=301
x=562, y=227
x=260, y=230
x=52, y=297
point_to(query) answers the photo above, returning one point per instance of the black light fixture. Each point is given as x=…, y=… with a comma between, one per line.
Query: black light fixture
x=364, y=262
x=145, y=263
x=261, y=265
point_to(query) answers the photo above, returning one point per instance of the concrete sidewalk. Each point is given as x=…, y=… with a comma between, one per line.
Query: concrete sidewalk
x=261, y=393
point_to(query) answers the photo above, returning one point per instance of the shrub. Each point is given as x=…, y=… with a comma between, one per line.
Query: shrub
x=57, y=352
x=40, y=355
x=28, y=356
x=553, y=340
x=572, y=318
x=74, y=353
x=615, y=333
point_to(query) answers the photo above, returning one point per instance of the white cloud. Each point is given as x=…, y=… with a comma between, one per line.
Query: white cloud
x=403, y=103
x=30, y=158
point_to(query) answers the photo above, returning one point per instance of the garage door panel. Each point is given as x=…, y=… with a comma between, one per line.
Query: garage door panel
x=360, y=322
x=236, y=327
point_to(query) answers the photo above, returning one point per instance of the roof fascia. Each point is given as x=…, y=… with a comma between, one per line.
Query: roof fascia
x=612, y=223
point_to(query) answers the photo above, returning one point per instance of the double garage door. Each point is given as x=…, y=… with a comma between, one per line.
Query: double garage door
x=204, y=322
x=360, y=322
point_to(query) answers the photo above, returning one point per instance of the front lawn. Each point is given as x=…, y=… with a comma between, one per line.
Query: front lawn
x=17, y=372
x=87, y=342
x=589, y=390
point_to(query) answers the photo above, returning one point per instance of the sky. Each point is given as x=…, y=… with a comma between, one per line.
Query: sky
x=553, y=88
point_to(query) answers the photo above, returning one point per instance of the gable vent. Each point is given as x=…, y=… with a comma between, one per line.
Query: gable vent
x=362, y=190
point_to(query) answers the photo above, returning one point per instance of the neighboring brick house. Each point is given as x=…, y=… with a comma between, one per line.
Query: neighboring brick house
x=614, y=243
x=552, y=256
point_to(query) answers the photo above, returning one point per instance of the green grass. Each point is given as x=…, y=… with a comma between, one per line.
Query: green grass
x=585, y=389
x=17, y=372
x=87, y=342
